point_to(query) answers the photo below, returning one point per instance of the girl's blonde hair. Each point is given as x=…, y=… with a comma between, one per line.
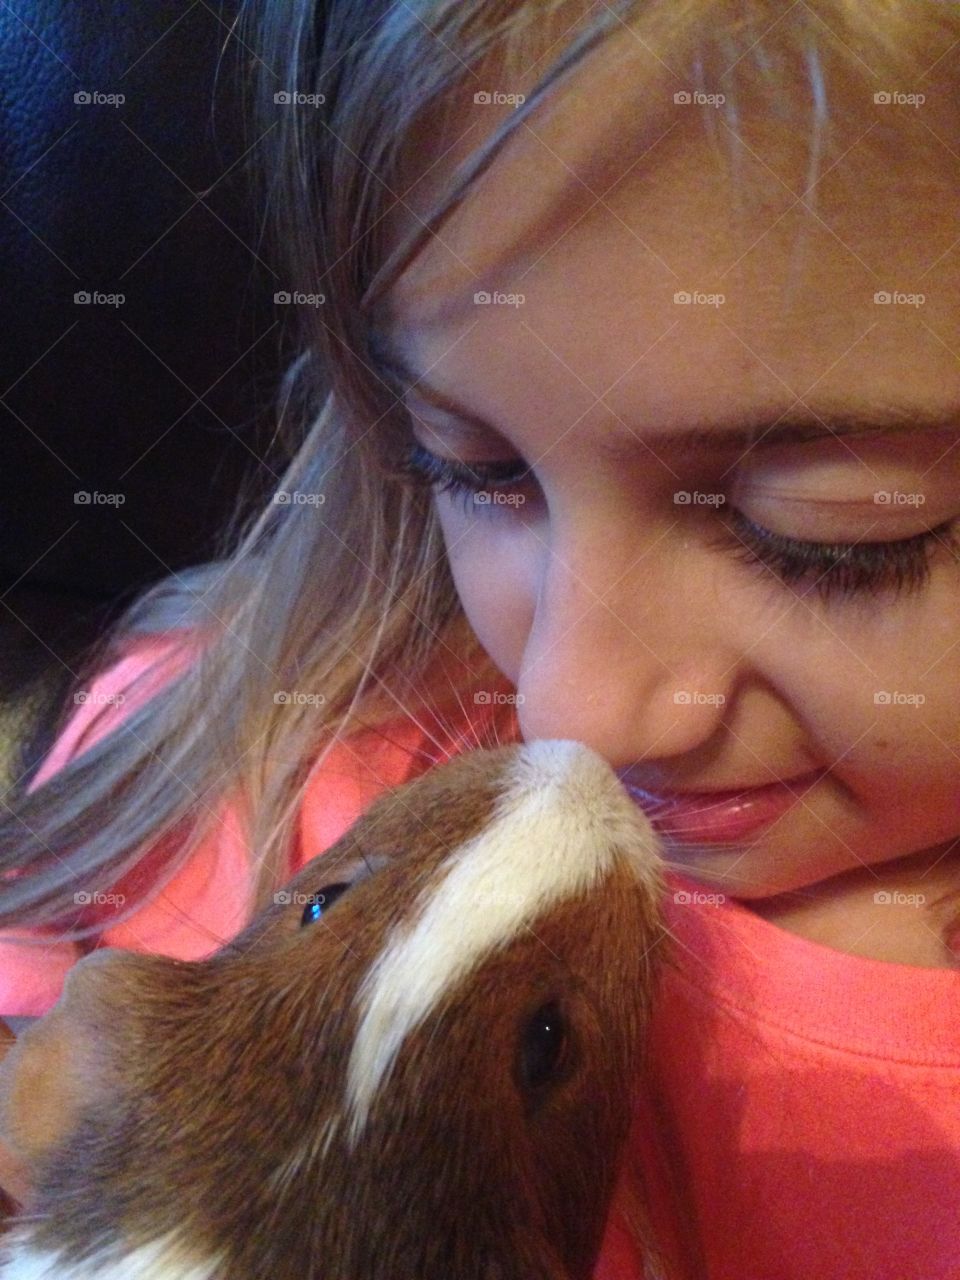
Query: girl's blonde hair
x=353, y=599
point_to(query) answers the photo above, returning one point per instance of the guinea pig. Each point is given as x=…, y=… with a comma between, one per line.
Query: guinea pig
x=416, y=1064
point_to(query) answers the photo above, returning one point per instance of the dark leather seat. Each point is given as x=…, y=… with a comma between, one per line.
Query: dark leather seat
x=125, y=180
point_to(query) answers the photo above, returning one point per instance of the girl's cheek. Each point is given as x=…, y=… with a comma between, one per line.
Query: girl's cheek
x=495, y=572
x=875, y=690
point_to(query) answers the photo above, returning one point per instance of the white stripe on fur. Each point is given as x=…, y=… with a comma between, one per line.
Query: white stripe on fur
x=165, y=1259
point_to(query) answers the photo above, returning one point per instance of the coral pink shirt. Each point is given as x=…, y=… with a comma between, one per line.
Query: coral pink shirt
x=810, y=1100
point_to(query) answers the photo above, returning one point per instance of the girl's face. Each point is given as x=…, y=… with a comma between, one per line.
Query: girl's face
x=681, y=636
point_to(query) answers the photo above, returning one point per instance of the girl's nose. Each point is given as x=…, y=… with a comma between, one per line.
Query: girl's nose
x=628, y=662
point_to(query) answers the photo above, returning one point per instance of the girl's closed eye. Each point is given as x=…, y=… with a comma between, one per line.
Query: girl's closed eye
x=835, y=569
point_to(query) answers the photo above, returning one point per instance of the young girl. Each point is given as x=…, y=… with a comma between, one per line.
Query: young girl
x=631, y=414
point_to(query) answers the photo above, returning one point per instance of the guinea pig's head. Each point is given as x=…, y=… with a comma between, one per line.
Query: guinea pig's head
x=416, y=1063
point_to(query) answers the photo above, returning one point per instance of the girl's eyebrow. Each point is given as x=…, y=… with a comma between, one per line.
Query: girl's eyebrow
x=796, y=425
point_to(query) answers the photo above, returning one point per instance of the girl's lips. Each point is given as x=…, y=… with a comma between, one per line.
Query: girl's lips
x=720, y=815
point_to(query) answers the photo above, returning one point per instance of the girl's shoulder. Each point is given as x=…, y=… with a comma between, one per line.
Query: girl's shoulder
x=146, y=664
x=209, y=899
x=34, y=962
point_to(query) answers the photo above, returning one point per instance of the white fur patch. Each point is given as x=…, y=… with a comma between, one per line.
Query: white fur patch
x=560, y=823
x=165, y=1259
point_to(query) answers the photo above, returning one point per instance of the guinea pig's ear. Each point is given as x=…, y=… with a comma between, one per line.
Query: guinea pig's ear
x=73, y=1055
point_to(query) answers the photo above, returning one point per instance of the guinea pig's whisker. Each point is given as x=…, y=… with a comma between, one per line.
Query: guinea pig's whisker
x=679, y=845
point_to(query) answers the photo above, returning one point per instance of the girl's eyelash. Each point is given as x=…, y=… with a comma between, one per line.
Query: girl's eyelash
x=843, y=569
x=421, y=467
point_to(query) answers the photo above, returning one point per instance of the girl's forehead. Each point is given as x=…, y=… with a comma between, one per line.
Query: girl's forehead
x=681, y=274
x=685, y=257
x=625, y=180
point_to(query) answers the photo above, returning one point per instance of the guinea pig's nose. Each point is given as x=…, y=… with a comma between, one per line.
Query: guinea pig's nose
x=110, y=979
x=91, y=968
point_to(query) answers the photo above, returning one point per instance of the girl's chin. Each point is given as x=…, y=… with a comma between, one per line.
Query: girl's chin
x=751, y=874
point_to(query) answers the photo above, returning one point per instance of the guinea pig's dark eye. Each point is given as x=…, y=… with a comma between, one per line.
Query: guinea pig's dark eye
x=320, y=903
x=544, y=1055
